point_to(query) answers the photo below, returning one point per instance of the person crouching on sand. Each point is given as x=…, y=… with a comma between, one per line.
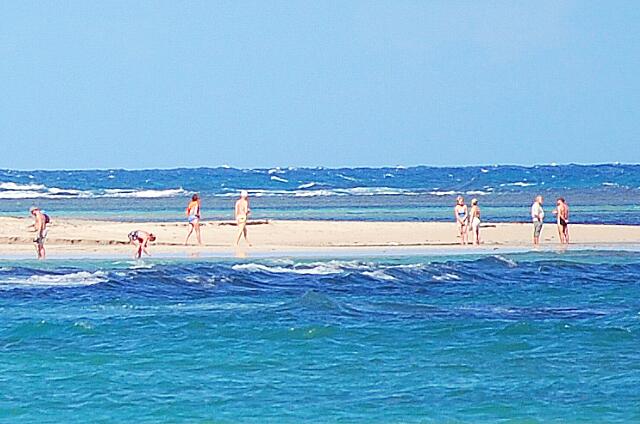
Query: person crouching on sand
x=537, y=216
x=562, y=218
x=461, y=213
x=40, y=227
x=140, y=239
x=474, y=215
x=242, y=212
x=193, y=217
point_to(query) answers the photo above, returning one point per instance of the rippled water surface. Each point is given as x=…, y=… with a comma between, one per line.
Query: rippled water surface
x=606, y=193
x=513, y=338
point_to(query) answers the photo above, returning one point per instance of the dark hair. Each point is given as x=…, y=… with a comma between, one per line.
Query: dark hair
x=195, y=197
x=561, y=199
x=152, y=237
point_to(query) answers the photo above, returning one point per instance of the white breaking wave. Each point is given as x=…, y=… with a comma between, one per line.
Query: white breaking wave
x=282, y=180
x=356, y=191
x=317, y=270
x=313, y=268
x=14, y=186
x=147, y=194
x=510, y=262
x=446, y=277
x=518, y=184
x=443, y=193
x=307, y=185
x=379, y=275
x=76, y=279
x=11, y=190
x=345, y=177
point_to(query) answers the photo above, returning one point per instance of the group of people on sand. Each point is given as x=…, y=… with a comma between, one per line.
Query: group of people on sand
x=561, y=213
x=468, y=220
x=140, y=239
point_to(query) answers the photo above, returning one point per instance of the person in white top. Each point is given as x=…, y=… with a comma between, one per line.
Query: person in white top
x=537, y=216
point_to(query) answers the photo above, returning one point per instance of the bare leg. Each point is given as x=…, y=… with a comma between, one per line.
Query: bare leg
x=560, y=233
x=197, y=228
x=138, y=250
x=188, y=234
x=240, y=232
x=244, y=231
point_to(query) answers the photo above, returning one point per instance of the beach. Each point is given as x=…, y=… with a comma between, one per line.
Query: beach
x=81, y=237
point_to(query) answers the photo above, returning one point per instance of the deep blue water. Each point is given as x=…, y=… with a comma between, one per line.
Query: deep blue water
x=515, y=338
x=608, y=193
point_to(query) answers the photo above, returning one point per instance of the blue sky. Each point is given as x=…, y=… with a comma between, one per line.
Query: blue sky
x=327, y=83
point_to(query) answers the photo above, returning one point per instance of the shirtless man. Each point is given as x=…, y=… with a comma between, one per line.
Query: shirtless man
x=461, y=214
x=140, y=239
x=242, y=212
x=537, y=216
x=562, y=218
x=40, y=228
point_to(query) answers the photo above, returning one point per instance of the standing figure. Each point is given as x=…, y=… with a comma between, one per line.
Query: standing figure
x=193, y=216
x=537, y=216
x=140, y=239
x=461, y=214
x=562, y=218
x=40, y=227
x=474, y=215
x=242, y=212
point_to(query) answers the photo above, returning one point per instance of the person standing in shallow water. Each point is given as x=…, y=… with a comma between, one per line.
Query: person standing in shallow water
x=537, y=216
x=193, y=216
x=461, y=214
x=242, y=212
x=562, y=218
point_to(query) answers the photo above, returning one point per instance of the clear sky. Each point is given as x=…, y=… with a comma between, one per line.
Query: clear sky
x=137, y=84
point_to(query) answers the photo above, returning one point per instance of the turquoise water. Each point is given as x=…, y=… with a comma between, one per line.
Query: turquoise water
x=606, y=193
x=515, y=338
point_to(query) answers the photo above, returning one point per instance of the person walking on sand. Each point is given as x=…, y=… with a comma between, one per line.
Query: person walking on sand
x=242, y=212
x=461, y=214
x=140, y=239
x=474, y=215
x=562, y=218
x=193, y=217
x=537, y=216
x=40, y=228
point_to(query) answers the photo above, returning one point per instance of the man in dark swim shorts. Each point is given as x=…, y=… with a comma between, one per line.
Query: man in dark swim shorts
x=562, y=215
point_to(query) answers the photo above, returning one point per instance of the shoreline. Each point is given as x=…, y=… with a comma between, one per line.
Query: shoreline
x=82, y=238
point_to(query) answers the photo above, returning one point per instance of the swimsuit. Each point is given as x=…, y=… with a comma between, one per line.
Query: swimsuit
x=133, y=235
x=194, y=212
x=41, y=237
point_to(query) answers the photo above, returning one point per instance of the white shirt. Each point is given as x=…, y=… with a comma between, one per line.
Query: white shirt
x=537, y=211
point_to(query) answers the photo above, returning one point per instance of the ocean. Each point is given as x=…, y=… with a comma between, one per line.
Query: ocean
x=528, y=337
x=474, y=338
x=608, y=193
